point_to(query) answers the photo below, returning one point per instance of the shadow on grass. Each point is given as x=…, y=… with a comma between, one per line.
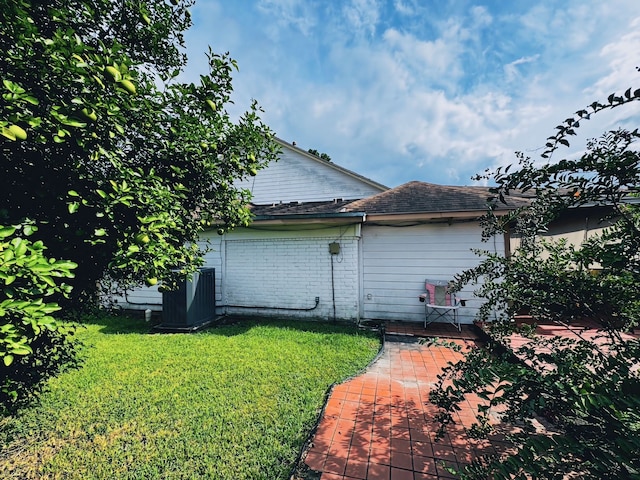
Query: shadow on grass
x=124, y=323
x=113, y=323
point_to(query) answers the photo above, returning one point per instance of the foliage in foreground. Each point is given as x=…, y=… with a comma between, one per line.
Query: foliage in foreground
x=119, y=165
x=233, y=403
x=585, y=391
x=34, y=346
x=110, y=161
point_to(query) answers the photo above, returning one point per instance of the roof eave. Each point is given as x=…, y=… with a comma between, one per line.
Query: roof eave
x=306, y=218
x=430, y=216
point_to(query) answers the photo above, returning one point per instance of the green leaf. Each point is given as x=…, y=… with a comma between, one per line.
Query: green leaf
x=7, y=231
x=72, y=122
x=48, y=280
x=66, y=264
x=7, y=360
x=8, y=133
x=20, y=246
x=29, y=229
x=22, y=350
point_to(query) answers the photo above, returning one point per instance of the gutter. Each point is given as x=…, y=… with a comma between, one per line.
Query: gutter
x=405, y=217
x=371, y=218
x=344, y=217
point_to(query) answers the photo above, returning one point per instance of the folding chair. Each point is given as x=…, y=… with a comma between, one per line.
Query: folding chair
x=440, y=303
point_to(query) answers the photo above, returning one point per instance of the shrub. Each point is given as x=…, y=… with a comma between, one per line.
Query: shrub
x=34, y=346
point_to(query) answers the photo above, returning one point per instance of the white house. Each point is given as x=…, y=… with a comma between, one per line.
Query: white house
x=327, y=243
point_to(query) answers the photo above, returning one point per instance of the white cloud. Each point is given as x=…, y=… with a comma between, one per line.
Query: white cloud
x=433, y=60
x=362, y=16
x=621, y=56
x=481, y=17
x=511, y=69
x=288, y=13
x=404, y=8
x=439, y=100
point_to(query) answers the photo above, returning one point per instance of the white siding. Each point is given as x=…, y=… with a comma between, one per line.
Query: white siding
x=290, y=269
x=574, y=228
x=298, y=178
x=397, y=260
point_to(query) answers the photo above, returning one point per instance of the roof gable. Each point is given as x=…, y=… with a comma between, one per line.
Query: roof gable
x=299, y=176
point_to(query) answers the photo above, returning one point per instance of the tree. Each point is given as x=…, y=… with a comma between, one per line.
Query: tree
x=324, y=156
x=120, y=165
x=108, y=161
x=586, y=391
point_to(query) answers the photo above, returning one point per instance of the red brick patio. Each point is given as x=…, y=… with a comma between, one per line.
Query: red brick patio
x=380, y=424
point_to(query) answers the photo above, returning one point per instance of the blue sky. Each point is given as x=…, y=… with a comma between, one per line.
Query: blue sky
x=429, y=90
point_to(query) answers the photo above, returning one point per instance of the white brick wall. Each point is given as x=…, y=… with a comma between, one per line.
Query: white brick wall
x=281, y=269
x=278, y=269
x=140, y=298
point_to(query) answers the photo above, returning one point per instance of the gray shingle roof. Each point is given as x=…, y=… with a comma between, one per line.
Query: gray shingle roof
x=410, y=198
x=302, y=208
x=422, y=197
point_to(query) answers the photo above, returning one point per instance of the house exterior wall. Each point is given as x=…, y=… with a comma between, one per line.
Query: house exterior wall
x=397, y=260
x=289, y=270
x=575, y=226
x=378, y=274
x=296, y=177
x=281, y=260
x=140, y=298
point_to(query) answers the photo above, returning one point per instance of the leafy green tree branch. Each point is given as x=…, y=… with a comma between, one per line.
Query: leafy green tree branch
x=570, y=407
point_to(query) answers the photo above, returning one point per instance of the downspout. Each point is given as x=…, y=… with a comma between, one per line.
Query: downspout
x=333, y=289
x=507, y=242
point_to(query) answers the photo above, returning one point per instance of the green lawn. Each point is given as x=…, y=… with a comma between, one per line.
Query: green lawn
x=233, y=402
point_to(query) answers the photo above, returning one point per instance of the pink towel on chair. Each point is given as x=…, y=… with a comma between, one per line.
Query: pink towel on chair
x=431, y=289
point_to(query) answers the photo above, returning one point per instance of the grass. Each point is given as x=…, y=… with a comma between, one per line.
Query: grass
x=233, y=402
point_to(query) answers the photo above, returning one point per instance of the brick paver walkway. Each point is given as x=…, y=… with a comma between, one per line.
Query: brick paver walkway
x=380, y=424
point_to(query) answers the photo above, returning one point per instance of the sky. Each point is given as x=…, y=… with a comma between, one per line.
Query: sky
x=429, y=90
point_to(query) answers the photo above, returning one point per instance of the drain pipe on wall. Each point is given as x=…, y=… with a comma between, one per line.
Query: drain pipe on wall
x=262, y=307
x=334, y=249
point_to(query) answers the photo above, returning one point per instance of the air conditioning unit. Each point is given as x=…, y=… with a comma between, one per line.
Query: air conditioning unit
x=193, y=305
